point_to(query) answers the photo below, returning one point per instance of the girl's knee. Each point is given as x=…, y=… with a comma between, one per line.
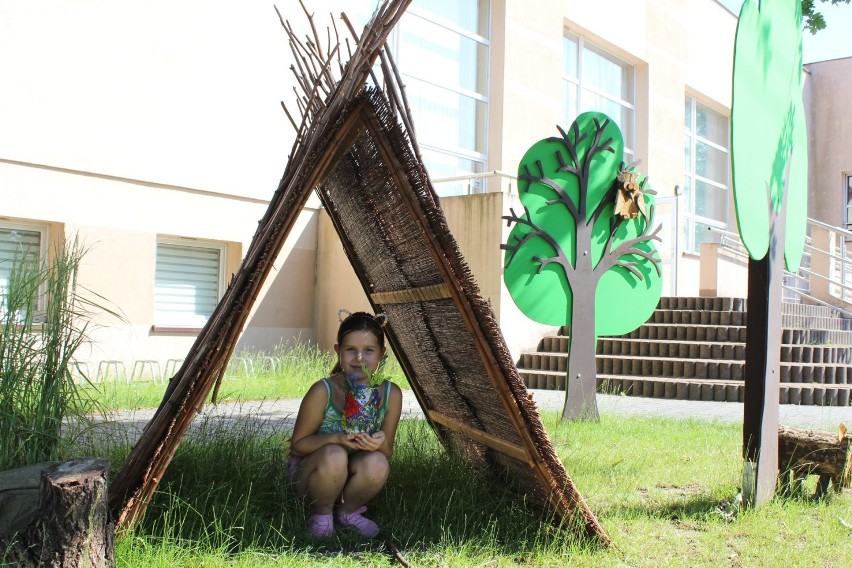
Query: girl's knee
x=332, y=460
x=373, y=464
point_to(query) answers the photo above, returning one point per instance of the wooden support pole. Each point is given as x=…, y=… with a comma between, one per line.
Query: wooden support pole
x=512, y=450
x=762, y=380
x=763, y=359
x=422, y=294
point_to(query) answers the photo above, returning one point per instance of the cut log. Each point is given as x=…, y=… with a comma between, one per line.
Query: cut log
x=808, y=452
x=71, y=527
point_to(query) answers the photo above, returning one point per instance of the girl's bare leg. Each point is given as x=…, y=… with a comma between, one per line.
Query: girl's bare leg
x=368, y=474
x=322, y=476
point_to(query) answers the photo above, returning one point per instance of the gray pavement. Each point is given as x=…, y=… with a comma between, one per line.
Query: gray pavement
x=280, y=414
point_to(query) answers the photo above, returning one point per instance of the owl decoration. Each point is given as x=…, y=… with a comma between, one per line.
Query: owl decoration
x=629, y=197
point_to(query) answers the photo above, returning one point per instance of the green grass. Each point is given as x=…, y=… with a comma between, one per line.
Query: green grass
x=659, y=487
x=656, y=485
x=250, y=376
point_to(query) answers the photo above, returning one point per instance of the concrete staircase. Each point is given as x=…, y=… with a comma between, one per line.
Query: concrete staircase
x=694, y=349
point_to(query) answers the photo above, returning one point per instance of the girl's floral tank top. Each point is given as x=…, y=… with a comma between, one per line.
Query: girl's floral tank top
x=363, y=411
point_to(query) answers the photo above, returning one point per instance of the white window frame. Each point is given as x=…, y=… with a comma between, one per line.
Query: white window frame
x=410, y=74
x=165, y=320
x=847, y=177
x=691, y=219
x=44, y=236
x=584, y=88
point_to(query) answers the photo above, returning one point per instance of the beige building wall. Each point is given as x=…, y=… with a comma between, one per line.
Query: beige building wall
x=180, y=93
x=678, y=47
x=175, y=129
x=119, y=221
x=336, y=284
x=120, y=128
x=827, y=88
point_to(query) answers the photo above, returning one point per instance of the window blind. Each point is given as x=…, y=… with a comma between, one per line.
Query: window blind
x=17, y=245
x=186, y=284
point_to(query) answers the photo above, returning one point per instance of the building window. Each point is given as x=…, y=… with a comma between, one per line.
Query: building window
x=188, y=282
x=706, y=183
x=21, y=246
x=442, y=49
x=594, y=80
x=849, y=202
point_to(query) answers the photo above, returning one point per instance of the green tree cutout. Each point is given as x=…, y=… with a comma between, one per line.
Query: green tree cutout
x=582, y=253
x=769, y=159
x=768, y=133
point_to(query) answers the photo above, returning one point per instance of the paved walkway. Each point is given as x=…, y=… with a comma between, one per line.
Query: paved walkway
x=280, y=414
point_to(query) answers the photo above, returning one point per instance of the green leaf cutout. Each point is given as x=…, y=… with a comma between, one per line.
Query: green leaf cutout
x=768, y=131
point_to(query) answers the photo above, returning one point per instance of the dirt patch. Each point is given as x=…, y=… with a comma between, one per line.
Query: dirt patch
x=681, y=490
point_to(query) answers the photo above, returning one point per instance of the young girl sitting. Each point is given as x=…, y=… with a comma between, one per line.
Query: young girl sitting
x=343, y=437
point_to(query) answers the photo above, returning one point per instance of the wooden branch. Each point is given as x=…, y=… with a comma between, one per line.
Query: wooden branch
x=564, y=198
x=406, y=116
x=311, y=22
x=290, y=117
x=612, y=258
x=512, y=450
x=559, y=258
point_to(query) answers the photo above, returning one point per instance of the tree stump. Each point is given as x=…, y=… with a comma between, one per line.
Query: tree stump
x=71, y=527
x=808, y=452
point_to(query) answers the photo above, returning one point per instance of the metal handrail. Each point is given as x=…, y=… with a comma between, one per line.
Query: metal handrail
x=826, y=279
x=733, y=244
x=483, y=175
x=492, y=173
x=817, y=300
x=840, y=230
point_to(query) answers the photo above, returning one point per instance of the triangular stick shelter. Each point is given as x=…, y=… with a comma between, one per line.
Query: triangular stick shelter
x=366, y=169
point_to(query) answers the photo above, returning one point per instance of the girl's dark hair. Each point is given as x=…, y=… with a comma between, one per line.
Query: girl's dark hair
x=359, y=321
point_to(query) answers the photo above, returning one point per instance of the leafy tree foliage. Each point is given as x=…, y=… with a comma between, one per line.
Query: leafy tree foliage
x=814, y=20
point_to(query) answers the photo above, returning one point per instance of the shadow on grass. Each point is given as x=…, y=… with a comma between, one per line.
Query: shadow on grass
x=226, y=491
x=698, y=508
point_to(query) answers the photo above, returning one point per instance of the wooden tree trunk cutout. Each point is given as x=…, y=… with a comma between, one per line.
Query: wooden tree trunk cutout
x=585, y=235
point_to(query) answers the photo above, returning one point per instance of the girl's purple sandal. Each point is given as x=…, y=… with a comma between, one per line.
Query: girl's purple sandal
x=358, y=523
x=321, y=526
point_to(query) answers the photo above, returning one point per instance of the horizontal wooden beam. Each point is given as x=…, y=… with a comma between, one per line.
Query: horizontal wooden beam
x=507, y=448
x=411, y=295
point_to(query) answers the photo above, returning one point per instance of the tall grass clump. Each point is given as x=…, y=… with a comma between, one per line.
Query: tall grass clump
x=44, y=319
